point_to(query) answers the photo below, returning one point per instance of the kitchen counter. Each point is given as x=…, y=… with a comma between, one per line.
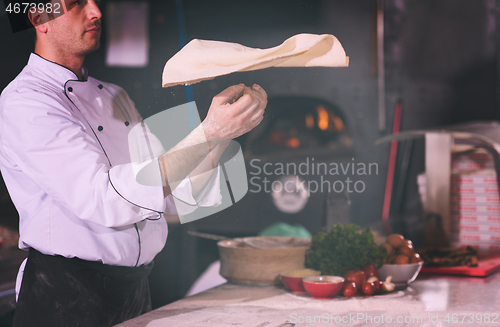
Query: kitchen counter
x=431, y=300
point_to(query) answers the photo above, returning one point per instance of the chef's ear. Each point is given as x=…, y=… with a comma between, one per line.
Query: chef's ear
x=38, y=19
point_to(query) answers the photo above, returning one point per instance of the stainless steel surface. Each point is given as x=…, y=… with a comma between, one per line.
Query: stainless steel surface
x=482, y=131
x=438, y=173
x=439, y=143
x=429, y=297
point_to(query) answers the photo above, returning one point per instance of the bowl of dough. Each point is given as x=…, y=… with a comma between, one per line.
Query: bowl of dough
x=259, y=261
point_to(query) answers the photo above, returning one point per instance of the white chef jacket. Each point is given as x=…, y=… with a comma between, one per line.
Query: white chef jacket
x=64, y=156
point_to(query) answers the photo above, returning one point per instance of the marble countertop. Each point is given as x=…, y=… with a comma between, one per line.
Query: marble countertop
x=431, y=300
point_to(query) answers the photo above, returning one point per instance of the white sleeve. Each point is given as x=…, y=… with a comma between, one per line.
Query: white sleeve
x=209, y=196
x=145, y=148
x=45, y=141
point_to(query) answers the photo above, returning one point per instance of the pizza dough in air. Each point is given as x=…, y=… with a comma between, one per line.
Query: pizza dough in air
x=201, y=60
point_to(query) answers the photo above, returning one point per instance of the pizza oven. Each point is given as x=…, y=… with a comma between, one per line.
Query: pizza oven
x=287, y=159
x=298, y=126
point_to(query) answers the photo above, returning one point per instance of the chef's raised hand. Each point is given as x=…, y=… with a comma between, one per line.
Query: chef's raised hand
x=235, y=111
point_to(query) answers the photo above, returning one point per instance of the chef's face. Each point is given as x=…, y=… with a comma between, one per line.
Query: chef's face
x=78, y=31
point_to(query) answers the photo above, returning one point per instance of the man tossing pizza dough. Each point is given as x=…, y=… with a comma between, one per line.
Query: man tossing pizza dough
x=92, y=231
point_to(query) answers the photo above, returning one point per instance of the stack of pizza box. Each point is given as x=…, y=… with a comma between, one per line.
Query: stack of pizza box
x=474, y=201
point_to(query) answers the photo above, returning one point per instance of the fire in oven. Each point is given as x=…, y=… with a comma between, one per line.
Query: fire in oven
x=289, y=159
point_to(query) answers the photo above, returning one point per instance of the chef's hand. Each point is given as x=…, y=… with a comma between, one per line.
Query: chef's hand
x=234, y=112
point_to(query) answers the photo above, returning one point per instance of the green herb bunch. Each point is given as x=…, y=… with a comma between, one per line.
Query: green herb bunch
x=342, y=249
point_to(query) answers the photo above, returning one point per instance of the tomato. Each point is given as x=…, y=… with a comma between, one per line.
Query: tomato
x=378, y=287
x=401, y=259
x=368, y=288
x=406, y=249
x=355, y=276
x=370, y=270
x=396, y=240
x=349, y=289
x=415, y=258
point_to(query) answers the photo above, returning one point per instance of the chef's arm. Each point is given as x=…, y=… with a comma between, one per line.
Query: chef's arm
x=202, y=173
x=233, y=112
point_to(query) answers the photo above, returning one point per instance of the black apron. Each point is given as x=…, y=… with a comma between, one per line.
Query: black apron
x=57, y=291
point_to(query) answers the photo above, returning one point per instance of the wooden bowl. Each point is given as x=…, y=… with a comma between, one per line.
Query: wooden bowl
x=246, y=265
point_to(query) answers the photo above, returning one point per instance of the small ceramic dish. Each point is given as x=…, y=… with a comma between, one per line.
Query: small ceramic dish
x=292, y=279
x=323, y=287
x=402, y=274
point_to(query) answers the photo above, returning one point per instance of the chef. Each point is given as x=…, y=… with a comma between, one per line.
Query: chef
x=91, y=229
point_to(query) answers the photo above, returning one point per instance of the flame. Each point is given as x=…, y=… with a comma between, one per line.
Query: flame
x=339, y=125
x=322, y=117
x=293, y=142
x=309, y=121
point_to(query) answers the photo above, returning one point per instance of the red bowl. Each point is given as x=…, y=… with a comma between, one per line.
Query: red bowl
x=323, y=287
x=292, y=279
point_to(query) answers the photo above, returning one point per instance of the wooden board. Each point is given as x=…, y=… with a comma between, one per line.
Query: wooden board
x=486, y=266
